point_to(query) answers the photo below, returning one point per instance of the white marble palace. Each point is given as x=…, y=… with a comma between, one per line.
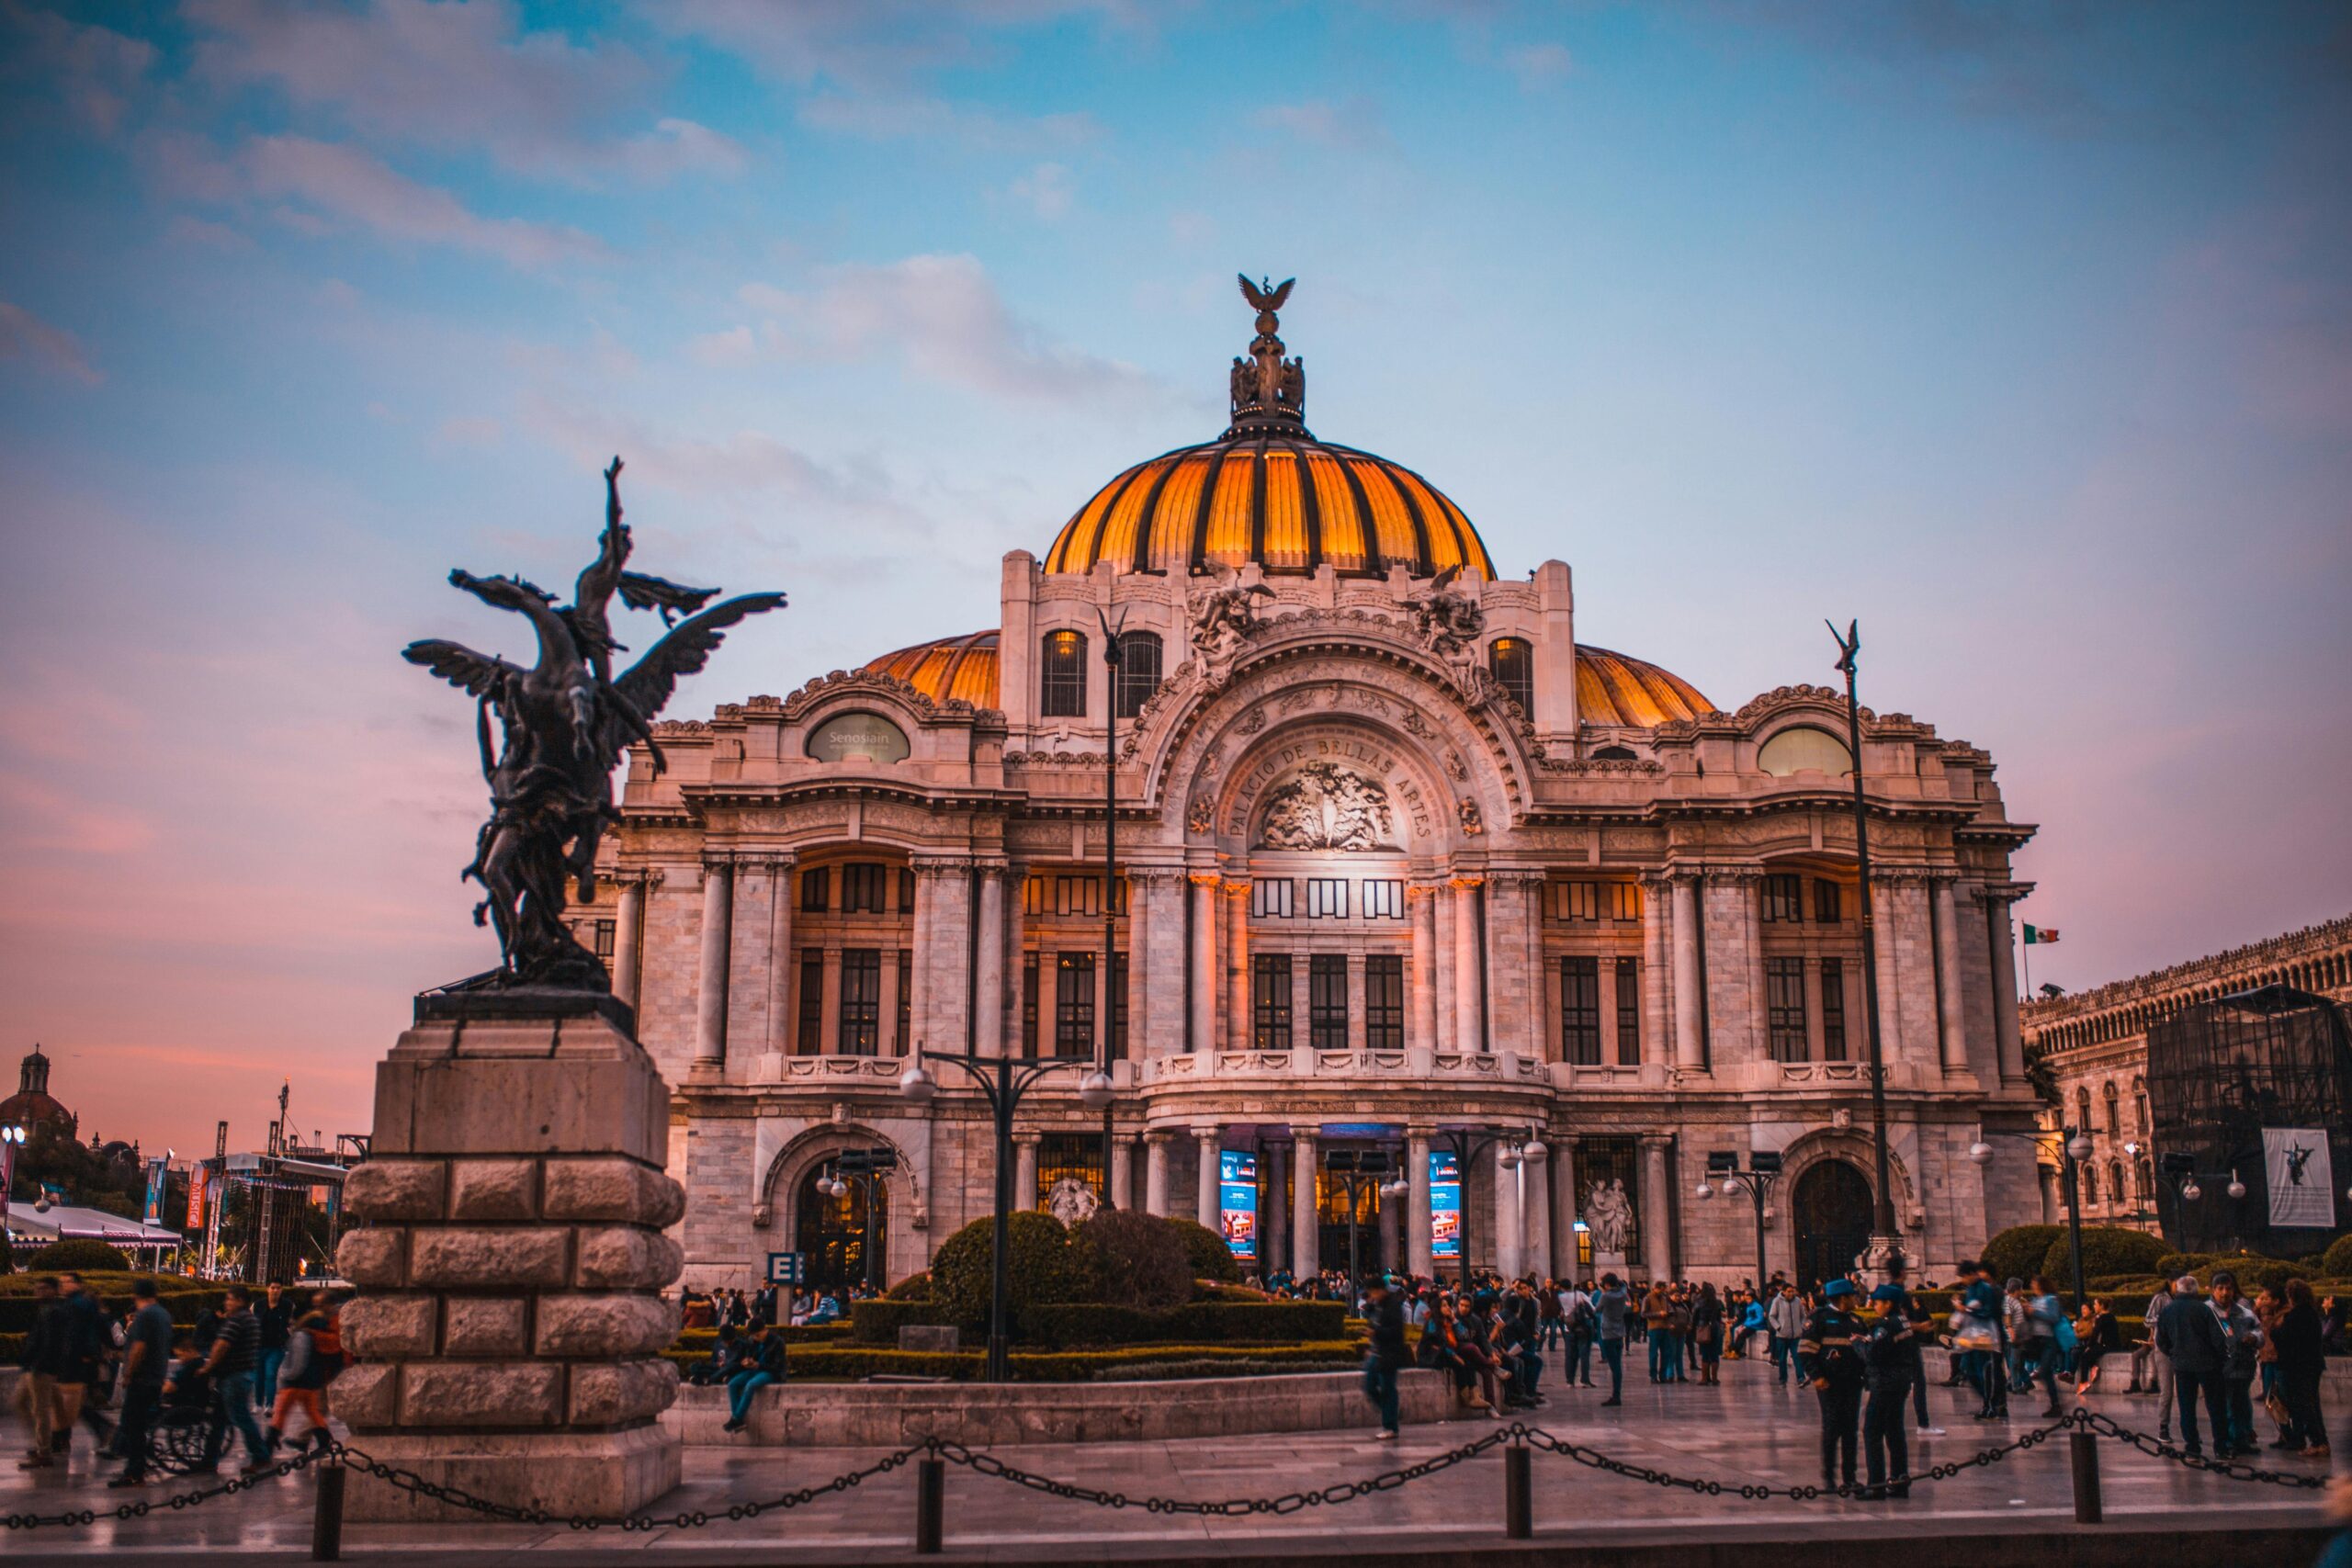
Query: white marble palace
x=1401, y=865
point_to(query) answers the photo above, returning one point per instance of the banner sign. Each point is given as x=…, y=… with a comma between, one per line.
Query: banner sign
x=1237, y=1172
x=155, y=1191
x=786, y=1267
x=199, y=1182
x=1445, y=1206
x=2302, y=1180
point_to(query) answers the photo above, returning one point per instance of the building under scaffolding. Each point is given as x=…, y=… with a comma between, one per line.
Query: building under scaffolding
x=2223, y=1073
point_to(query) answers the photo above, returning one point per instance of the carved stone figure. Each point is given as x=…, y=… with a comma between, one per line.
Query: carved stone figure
x=1071, y=1201
x=1202, y=817
x=1222, y=620
x=564, y=724
x=1449, y=621
x=1327, y=806
x=1609, y=1215
x=1473, y=824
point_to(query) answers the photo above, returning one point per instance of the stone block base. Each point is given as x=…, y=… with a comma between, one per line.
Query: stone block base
x=603, y=1474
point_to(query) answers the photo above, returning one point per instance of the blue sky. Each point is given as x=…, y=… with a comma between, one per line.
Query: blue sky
x=2021, y=333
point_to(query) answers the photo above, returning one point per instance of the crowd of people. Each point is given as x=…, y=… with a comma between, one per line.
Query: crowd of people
x=734, y=1309
x=250, y=1367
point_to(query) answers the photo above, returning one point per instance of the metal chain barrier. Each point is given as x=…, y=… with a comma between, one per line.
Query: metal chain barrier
x=140, y=1508
x=2156, y=1448
x=1535, y=1437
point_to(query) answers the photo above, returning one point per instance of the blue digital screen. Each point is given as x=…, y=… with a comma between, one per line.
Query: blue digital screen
x=1445, y=1206
x=1237, y=1200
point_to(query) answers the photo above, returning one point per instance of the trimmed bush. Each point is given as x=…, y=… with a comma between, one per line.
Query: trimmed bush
x=2107, y=1249
x=1206, y=1252
x=878, y=1322
x=704, y=1339
x=2253, y=1273
x=2336, y=1263
x=81, y=1257
x=2019, y=1251
x=914, y=1288
x=1133, y=1259
x=2134, y=1288
x=1041, y=1267
x=1194, y=1323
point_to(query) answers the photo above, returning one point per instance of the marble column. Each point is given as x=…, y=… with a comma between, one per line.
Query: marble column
x=1166, y=965
x=1657, y=913
x=1442, y=968
x=1014, y=918
x=1210, y=1141
x=1885, y=892
x=710, y=994
x=1952, y=1015
x=1469, y=1018
x=1535, y=1219
x=1392, y=1233
x=1274, y=1207
x=1139, y=920
x=1507, y=1248
x=1359, y=1035
x=1416, y=1210
x=1420, y=902
x=1025, y=1171
x=784, y=962
x=1689, y=1037
x=1123, y=1171
x=1205, y=1002
x=989, y=1028
x=918, y=982
x=1564, y=1198
x=2004, y=988
x=1305, y=1246
x=1657, y=1251
x=1155, y=1174
x=625, y=927
x=1238, y=1034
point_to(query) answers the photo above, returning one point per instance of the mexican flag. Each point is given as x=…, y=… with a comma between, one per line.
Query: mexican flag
x=2040, y=935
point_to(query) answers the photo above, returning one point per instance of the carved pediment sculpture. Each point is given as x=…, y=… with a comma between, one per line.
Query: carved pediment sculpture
x=1327, y=806
x=1223, y=619
x=1449, y=622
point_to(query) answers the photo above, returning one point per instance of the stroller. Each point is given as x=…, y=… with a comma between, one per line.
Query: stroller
x=176, y=1443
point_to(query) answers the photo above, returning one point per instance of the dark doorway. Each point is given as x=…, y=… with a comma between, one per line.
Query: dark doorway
x=832, y=1231
x=1833, y=1220
x=1331, y=1225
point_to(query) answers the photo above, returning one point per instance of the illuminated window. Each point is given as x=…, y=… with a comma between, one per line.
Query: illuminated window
x=1784, y=899
x=1833, y=1009
x=1270, y=999
x=862, y=885
x=1384, y=1001
x=1326, y=1000
x=1139, y=674
x=1785, y=1009
x=1580, y=1010
x=816, y=891
x=1065, y=1157
x=1804, y=749
x=1073, y=1004
x=859, y=1030
x=1575, y=900
x=1384, y=899
x=1078, y=895
x=1512, y=660
x=1624, y=900
x=1327, y=898
x=1269, y=898
x=1061, y=675
x=1629, y=1013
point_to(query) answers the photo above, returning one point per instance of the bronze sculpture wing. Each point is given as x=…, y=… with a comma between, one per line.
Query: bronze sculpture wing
x=640, y=590
x=648, y=686
x=1262, y=299
x=476, y=674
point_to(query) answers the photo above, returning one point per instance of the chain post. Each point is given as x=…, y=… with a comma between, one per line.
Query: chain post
x=1519, y=1492
x=326, y=1515
x=2083, y=1448
x=931, y=1500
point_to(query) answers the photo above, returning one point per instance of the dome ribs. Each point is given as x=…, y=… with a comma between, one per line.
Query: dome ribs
x=1310, y=506
x=1147, y=519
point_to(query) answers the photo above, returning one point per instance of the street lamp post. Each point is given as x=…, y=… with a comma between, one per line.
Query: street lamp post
x=1004, y=1080
x=1763, y=1170
x=1887, y=1239
x=1112, y=656
x=11, y=1139
x=2074, y=1148
x=1467, y=1144
x=865, y=1167
x=1357, y=1171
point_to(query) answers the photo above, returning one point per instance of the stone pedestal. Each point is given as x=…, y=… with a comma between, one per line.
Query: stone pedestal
x=509, y=1325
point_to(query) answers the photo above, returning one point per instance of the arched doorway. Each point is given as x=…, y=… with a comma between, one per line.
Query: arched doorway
x=833, y=1232
x=1832, y=1207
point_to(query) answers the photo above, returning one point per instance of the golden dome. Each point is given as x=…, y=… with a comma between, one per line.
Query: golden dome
x=1268, y=492
x=1611, y=688
x=1614, y=689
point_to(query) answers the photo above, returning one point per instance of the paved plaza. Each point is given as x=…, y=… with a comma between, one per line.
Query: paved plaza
x=1746, y=1430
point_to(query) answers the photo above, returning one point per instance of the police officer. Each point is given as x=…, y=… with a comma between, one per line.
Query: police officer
x=1832, y=1353
x=1890, y=1369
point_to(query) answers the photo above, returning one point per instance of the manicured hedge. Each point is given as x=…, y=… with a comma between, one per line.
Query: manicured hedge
x=18, y=1307
x=1041, y=1266
x=1207, y=1323
x=2336, y=1263
x=83, y=1254
x=1206, y=1250
x=2107, y=1249
x=878, y=1322
x=2019, y=1251
x=705, y=1339
x=1066, y=1366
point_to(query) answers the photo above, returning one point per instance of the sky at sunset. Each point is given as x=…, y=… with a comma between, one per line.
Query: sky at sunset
x=2022, y=332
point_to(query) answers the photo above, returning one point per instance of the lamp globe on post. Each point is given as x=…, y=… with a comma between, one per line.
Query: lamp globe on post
x=1702, y=1190
x=1980, y=1152
x=2192, y=1192
x=1095, y=1090
x=1534, y=1153
x=2078, y=1148
x=916, y=1085
x=2236, y=1189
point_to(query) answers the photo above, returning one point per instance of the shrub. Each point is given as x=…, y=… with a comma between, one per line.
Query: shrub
x=2253, y=1273
x=2107, y=1249
x=2173, y=1265
x=2134, y=1289
x=2019, y=1251
x=1206, y=1252
x=914, y=1288
x=1192, y=1323
x=1042, y=1267
x=81, y=1257
x=1133, y=1259
x=878, y=1322
x=2336, y=1263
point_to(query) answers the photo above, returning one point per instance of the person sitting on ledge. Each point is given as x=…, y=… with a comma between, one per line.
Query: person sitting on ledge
x=765, y=1366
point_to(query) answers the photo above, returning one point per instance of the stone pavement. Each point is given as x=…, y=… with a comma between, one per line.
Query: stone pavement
x=1746, y=1430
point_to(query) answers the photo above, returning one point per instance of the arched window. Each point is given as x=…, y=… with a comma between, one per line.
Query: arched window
x=1512, y=660
x=1803, y=748
x=1061, y=675
x=2143, y=1179
x=1139, y=674
x=2090, y=1185
x=2114, y=1182
x=2081, y=1108
x=1614, y=754
x=2140, y=1106
x=2114, y=1117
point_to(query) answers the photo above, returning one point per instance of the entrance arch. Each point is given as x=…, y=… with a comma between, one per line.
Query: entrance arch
x=839, y=1240
x=1832, y=1210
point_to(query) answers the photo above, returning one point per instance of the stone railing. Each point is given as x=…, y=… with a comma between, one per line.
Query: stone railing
x=1354, y=1067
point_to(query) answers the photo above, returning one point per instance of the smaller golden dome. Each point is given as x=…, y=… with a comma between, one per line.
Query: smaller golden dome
x=958, y=669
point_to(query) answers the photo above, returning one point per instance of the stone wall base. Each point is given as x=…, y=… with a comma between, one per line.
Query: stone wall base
x=599, y=1474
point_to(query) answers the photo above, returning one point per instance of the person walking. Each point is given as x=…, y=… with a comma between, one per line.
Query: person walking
x=231, y=1363
x=1386, y=1355
x=1828, y=1344
x=1982, y=1339
x=2038, y=1357
x=2245, y=1333
x=2159, y=1364
x=768, y=1366
x=146, y=1357
x=275, y=1315
x=1707, y=1334
x=86, y=1342
x=1890, y=1369
x=301, y=1380
x=2302, y=1364
x=1610, y=1308
x=1785, y=1320
x=42, y=1359
x=2192, y=1337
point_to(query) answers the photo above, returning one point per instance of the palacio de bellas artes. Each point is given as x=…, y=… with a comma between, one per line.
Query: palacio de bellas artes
x=1398, y=855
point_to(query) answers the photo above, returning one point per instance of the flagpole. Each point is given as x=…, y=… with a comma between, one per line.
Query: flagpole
x=2025, y=950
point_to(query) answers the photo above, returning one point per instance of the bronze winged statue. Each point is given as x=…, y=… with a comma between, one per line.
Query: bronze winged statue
x=564, y=722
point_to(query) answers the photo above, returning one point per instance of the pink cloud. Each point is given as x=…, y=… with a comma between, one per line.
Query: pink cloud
x=24, y=335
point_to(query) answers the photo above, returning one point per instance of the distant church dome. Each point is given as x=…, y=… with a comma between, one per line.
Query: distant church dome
x=1268, y=492
x=32, y=1103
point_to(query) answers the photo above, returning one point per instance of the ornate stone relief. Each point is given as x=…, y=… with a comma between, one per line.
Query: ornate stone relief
x=1327, y=806
x=1473, y=824
x=1223, y=618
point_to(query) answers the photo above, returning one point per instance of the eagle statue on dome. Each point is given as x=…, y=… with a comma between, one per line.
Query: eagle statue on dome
x=564, y=722
x=1265, y=384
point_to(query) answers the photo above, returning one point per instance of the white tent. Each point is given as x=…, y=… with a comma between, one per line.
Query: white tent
x=61, y=1222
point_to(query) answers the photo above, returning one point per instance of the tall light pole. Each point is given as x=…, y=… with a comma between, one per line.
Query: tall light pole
x=2074, y=1148
x=1111, y=658
x=1763, y=1170
x=1003, y=1079
x=1467, y=1144
x=1887, y=1239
